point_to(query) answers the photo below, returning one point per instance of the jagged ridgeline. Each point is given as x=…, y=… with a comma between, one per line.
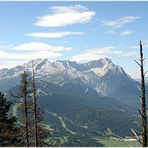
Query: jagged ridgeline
x=81, y=100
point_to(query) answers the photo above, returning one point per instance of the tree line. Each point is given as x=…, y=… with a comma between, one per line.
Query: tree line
x=27, y=127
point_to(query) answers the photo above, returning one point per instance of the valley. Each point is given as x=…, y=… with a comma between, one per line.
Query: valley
x=79, y=102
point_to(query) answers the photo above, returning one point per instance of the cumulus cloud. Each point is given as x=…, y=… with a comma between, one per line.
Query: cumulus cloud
x=65, y=15
x=53, y=34
x=38, y=46
x=94, y=54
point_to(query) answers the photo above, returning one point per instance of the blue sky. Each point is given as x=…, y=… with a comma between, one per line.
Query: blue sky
x=80, y=31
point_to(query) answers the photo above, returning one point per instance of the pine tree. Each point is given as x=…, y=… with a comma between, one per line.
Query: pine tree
x=30, y=113
x=24, y=93
x=9, y=132
x=24, y=110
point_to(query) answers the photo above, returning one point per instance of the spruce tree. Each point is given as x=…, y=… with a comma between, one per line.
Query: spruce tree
x=22, y=96
x=9, y=132
x=30, y=113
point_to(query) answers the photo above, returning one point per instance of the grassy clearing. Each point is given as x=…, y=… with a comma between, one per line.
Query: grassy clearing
x=56, y=140
x=118, y=143
x=14, y=109
x=64, y=125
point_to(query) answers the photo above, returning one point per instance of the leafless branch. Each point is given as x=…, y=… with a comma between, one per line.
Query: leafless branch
x=138, y=139
x=137, y=62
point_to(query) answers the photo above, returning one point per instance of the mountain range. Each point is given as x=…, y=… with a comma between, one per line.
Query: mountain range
x=82, y=98
x=102, y=76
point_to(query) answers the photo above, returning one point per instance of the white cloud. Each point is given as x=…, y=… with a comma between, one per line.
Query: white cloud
x=126, y=33
x=94, y=54
x=61, y=9
x=11, y=64
x=65, y=15
x=5, y=46
x=28, y=55
x=101, y=50
x=129, y=54
x=135, y=75
x=86, y=57
x=13, y=55
x=10, y=60
x=117, y=23
x=53, y=35
x=38, y=46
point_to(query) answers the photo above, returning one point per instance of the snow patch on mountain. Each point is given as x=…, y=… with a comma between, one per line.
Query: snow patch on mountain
x=95, y=74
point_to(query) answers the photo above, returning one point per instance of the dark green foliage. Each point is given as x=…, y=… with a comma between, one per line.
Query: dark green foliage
x=88, y=115
x=96, y=112
x=9, y=133
x=43, y=133
x=25, y=107
x=29, y=112
x=4, y=107
x=40, y=132
x=98, y=120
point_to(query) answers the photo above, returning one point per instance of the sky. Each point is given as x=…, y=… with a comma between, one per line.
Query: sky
x=77, y=31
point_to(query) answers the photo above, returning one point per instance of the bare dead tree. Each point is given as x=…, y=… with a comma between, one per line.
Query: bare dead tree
x=40, y=131
x=24, y=93
x=26, y=108
x=35, y=106
x=143, y=99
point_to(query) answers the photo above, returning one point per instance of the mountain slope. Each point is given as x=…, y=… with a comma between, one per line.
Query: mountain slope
x=100, y=75
x=119, y=85
x=82, y=99
x=70, y=110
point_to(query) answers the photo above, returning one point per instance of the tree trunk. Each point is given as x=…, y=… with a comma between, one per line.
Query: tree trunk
x=143, y=100
x=26, y=108
x=35, y=107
